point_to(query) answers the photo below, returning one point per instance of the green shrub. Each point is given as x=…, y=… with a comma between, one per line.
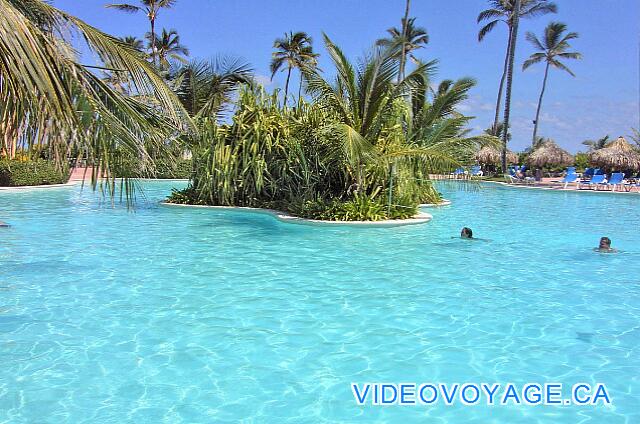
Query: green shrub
x=360, y=208
x=30, y=173
x=126, y=167
x=181, y=169
x=186, y=196
x=582, y=161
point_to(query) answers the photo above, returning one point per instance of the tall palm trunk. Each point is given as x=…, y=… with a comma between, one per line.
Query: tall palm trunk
x=300, y=88
x=286, y=86
x=507, y=101
x=535, y=123
x=153, y=40
x=496, y=119
x=403, y=56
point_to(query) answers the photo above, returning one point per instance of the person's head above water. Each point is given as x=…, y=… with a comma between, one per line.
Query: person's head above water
x=466, y=233
x=605, y=243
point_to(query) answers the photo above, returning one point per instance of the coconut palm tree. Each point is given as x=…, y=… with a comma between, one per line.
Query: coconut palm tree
x=597, y=144
x=406, y=39
x=134, y=42
x=205, y=87
x=552, y=49
x=366, y=102
x=501, y=11
x=514, y=23
x=49, y=101
x=497, y=131
x=167, y=46
x=294, y=50
x=151, y=8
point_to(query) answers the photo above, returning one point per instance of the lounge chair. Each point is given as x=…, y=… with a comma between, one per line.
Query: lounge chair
x=513, y=179
x=589, y=173
x=570, y=178
x=476, y=171
x=617, y=179
x=594, y=182
x=458, y=172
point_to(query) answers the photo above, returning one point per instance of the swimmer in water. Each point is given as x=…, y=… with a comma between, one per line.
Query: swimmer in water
x=466, y=233
x=605, y=246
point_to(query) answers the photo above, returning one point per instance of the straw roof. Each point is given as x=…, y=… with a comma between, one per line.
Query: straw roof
x=490, y=155
x=618, y=154
x=549, y=153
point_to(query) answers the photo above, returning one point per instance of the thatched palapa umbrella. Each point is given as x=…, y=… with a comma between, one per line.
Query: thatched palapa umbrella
x=618, y=154
x=491, y=156
x=550, y=154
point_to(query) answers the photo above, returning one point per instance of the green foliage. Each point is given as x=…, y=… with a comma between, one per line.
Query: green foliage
x=359, y=208
x=362, y=149
x=30, y=173
x=49, y=100
x=185, y=196
x=582, y=160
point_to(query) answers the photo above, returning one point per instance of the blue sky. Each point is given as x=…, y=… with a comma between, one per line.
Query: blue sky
x=602, y=99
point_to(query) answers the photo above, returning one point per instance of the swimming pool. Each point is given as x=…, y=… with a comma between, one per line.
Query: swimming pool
x=193, y=315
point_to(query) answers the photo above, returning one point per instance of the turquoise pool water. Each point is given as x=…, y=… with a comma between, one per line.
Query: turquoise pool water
x=190, y=315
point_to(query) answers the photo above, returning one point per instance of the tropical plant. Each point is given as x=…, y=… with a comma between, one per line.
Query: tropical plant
x=205, y=87
x=498, y=131
x=513, y=27
x=356, y=150
x=405, y=40
x=167, y=46
x=151, y=8
x=294, y=50
x=502, y=11
x=14, y=173
x=133, y=42
x=50, y=102
x=552, y=49
x=371, y=115
x=597, y=144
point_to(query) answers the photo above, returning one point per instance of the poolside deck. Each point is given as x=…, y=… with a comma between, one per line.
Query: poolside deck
x=554, y=184
x=545, y=184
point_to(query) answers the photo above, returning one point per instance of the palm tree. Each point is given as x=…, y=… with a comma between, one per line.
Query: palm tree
x=597, y=144
x=294, y=50
x=551, y=50
x=514, y=22
x=49, y=101
x=497, y=131
x=151, y=8
x=134, y=42
x=406, y=40
x=205, y=87
x=365, y=102
x=502, y=11
x=167, y=46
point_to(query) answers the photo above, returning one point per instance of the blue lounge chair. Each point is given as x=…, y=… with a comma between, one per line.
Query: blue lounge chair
x=570, y=178
x=571, y=170
x=617, y=179
x=476, y=171
x=594, y=182
x=588, y=173
x=458, y=172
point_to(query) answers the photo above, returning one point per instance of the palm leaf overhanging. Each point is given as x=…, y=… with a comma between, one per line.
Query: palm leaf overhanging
x=52, y=101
